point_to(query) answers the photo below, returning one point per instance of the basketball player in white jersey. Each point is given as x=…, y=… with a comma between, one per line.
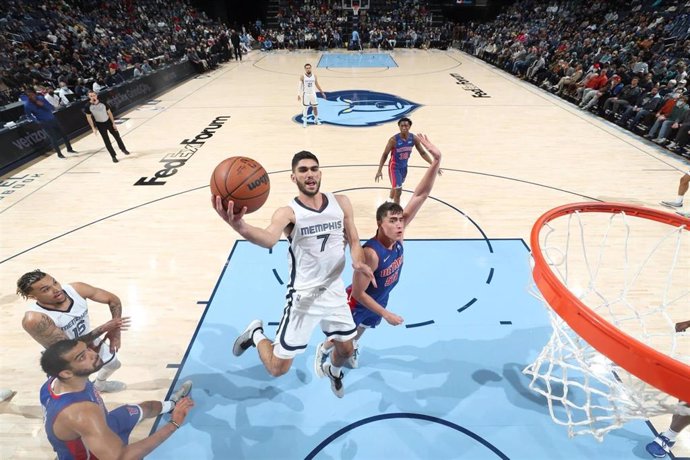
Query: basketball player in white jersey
x=317, y=225
x=60, y=312
x=306, y=91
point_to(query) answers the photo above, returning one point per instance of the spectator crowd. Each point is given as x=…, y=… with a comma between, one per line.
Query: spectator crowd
x=64, y=48
x=625, y=61
x=325, y=24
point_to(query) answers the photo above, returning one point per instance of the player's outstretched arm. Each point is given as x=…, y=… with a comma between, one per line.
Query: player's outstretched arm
x=386, y=151
x=419, y=146
x=358, y=259
x=89, y=422
x=266, y=238
x=421, y=192
x=359, y=285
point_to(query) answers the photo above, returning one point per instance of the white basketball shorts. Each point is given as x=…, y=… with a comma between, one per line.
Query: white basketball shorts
x=309, y=99
x=307, y=309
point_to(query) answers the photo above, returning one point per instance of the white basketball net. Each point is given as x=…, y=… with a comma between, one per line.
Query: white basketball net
x=635, y=273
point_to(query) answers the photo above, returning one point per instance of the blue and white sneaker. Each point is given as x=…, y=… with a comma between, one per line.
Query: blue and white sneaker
x=336, y=381
x=660, y=447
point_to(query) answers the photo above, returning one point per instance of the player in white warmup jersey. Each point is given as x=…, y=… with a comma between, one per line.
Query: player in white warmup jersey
x=306, y=91
x=317, y=225
x=59, y=312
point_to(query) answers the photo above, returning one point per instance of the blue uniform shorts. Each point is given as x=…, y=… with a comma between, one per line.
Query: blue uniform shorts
x=123, y=419
x=365, y=317
x=397, y=176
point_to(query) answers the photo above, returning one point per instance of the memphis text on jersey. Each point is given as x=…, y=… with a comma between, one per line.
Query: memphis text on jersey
x=174, y=161
x=320, y=228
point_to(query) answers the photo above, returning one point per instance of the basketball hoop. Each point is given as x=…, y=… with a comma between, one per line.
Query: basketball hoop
x=612, y=275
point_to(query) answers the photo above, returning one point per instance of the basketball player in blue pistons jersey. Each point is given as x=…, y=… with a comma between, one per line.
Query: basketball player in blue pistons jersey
x=384, y=254
x=399, y=147
x=317, y=225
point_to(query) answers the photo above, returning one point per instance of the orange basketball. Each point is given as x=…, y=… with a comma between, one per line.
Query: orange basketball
x=242, y=181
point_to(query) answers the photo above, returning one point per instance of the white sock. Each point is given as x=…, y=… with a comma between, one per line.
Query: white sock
x=335, y=371
x=258, y=336
x=304, y=113
x=680, y=199
x=168, y=406
x=670, y=434
x=108, y=370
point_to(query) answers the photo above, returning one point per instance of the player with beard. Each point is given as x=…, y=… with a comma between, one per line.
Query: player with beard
x=384, y=255
x=306, y=91
x=316, y=224
x=77, y=423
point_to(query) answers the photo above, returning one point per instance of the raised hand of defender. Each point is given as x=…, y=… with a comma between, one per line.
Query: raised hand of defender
x=429, y=146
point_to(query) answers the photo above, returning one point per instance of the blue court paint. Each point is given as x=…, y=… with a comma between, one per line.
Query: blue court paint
x=458, y=379
x=506, y=323
x=350, y=60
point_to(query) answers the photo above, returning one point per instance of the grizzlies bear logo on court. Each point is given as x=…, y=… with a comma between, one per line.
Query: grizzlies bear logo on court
x=360, y=108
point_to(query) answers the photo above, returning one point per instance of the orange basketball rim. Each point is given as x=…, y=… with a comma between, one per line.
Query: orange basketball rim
x=655, y=368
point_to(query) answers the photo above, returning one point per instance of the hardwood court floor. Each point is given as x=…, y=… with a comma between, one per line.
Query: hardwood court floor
x=508, y=158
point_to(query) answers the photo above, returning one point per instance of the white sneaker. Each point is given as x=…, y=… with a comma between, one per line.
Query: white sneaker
x=353, y=361
x=318, y=122
x=672, y=204
x=245, y=340
x=181, y=392
x=109, y=386
x=336, y=382
x=684, y=214
x=320, y=358
x=6, y=394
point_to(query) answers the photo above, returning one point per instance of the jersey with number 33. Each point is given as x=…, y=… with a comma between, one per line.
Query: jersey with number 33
x=74, y=322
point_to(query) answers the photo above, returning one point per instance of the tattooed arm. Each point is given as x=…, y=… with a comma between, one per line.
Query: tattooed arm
x=102, y=296
x=42, y=328
x=45, y=332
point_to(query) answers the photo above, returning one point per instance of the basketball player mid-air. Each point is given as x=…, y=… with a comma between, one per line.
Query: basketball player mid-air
x=399, y=147
x=317, y=224
x=306, y=92
x=60, y=312
x=384, y=255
